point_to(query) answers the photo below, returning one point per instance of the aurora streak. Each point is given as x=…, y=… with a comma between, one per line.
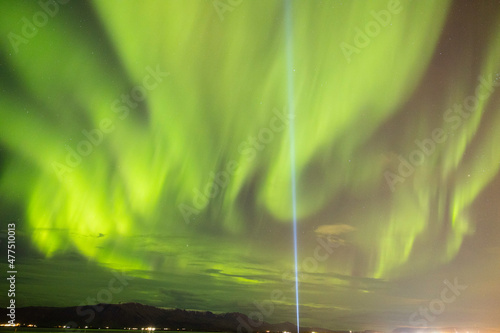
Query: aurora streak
x=180, y=98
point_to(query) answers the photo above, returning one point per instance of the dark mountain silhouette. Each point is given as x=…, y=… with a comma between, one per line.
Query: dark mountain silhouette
x=135, y=315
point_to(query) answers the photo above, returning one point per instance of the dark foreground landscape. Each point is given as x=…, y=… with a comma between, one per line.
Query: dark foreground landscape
x=139, y=316
x=136, y=316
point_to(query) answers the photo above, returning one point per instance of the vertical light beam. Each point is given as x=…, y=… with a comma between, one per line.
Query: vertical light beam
x=291, y=110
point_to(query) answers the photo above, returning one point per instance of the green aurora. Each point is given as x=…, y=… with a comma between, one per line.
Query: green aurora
x=151, y=137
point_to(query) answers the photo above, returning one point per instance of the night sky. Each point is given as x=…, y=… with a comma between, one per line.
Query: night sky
x=151, y=140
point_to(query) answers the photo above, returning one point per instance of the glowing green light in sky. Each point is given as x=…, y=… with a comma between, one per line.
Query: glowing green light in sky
x=171, y=101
